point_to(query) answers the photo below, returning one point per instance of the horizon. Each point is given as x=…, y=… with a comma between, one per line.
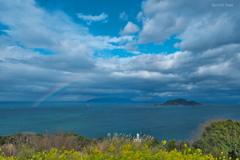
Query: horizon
x=119, y=101
x=142, y=50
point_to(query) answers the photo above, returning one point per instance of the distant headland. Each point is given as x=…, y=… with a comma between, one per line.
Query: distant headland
x=179, y=102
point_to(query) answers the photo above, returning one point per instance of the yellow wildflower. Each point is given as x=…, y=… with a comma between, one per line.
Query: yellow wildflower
x=164, y=142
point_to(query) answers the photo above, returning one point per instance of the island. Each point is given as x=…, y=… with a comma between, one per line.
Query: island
x=179, y=102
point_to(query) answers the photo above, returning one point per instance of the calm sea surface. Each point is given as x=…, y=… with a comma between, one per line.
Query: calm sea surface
x=96, y=120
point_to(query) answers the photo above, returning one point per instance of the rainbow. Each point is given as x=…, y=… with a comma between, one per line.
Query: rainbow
x=54, y=91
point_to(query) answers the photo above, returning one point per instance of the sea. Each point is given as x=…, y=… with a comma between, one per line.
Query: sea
x=99, y=119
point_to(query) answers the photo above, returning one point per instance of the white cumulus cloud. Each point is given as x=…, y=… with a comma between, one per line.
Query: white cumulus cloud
x=130, y=28
x=90, y=18
x=197, y=24
x=123, y=16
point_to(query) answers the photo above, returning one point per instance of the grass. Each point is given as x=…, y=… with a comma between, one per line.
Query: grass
x=64, y=146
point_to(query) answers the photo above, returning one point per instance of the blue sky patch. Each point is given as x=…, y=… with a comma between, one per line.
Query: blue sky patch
x=44, y=51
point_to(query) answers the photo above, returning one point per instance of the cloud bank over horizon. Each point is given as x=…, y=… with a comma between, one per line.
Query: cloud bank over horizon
x=161, y=50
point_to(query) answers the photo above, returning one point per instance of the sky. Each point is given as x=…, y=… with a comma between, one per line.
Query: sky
x=150, y=50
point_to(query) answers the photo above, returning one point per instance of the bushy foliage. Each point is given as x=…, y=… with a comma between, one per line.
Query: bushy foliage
x=127, y=152
x=24, y=143
x=171, y=145
x=16, y=138
x=219, y=139
x=221, y=136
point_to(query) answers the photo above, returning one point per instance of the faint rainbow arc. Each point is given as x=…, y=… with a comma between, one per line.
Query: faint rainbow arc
x=54, y=91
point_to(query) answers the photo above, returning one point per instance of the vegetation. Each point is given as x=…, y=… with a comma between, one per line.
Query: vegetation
x=127, y=152
x=221, y=136
x=219, y=140
x=179, y=102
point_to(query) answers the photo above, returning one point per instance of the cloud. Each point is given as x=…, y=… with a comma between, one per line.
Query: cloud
x=25, y=68
x=158, y=22
x=107, y=42
x=198, y=24
x=90, y=18
x=206, y=66
x=130, y=28
x=182, y=73
x=33, y=27
x=160, y=28
x=132, y=47
x=123, y=16
x=205, y=35
x=143, y=74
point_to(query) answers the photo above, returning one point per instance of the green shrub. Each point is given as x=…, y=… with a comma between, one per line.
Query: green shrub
x=221, y=136
x=2, y=140
x=26, y=154
x=171, y=145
